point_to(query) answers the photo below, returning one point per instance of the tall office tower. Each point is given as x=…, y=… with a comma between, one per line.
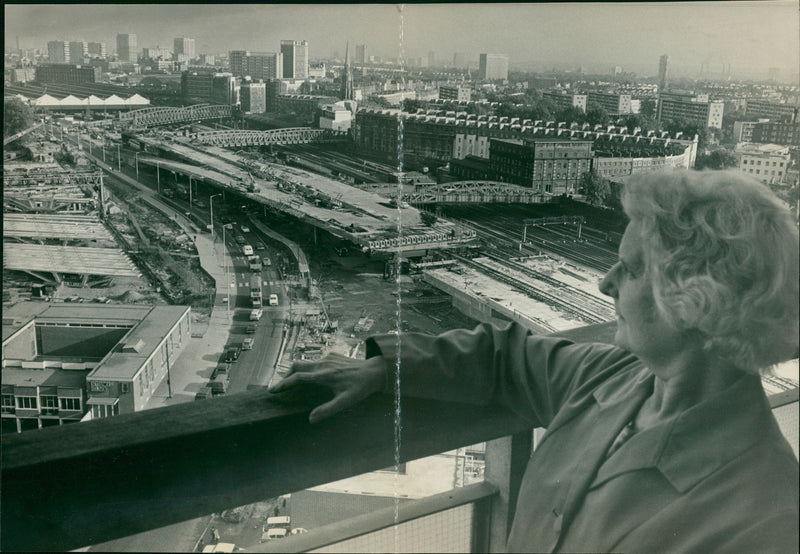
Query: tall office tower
x=493, y=67
x=295, y=59
x=77, y=51
x=237, y=60
x=183, y=45
x=361, y=54
x=347, y=91
x=58, y=51
x=126, y=48
x=263, y=65
x=663, y=62
x=97, y=50
x=459, y=59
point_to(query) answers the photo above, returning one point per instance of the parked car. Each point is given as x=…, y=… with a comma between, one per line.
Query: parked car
x=221, y=369
x=232, y=354
x=203, y=393
x=245, y=229
x=260, y=246
x=255, y=315
x=251, y=329
x=248, y=344
x=218, y=385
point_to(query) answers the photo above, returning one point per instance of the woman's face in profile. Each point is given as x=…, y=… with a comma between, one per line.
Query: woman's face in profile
x=641, y=328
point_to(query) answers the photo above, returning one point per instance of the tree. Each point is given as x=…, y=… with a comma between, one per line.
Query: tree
x=647, y=107
x=595, y=188
x=17, y=116
x=717, y=159
x=596, y=115
x=411, y=105
x=427, y=218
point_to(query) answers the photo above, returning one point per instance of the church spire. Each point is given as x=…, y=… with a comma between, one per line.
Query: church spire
x=347, y=76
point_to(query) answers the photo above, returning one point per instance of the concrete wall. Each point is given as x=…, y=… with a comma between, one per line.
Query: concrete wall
x=22, y=345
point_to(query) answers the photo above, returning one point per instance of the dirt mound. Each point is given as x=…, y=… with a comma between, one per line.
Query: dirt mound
x=129, y=297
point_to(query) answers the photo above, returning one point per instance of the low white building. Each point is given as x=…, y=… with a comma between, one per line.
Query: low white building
x=766, y=162
x=337, y=116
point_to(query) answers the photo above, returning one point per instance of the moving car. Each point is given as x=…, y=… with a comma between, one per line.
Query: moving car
x=248, y=344
x=251, y=329
x=255, y=315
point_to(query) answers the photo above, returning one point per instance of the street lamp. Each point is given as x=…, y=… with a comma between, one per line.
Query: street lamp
x=211, y=204
x=136, y=158
x=158, y=177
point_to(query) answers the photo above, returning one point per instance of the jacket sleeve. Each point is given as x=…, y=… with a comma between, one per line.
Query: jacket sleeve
x=531, y=375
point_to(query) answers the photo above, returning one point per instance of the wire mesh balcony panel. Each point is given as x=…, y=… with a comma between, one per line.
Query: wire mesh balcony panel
x=447, y=531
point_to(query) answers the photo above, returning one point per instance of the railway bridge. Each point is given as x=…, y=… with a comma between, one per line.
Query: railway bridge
x=477, y=192
x=294, y=135
x=153, y=117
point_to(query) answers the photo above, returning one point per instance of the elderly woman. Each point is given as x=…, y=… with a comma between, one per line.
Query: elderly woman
x=665, y=441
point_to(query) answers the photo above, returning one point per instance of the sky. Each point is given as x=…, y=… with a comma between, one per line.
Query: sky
x=750, y=36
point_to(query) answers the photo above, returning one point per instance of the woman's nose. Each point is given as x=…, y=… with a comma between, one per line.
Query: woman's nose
x=608, y=284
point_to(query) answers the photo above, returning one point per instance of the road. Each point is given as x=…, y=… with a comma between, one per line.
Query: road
x=254, y=367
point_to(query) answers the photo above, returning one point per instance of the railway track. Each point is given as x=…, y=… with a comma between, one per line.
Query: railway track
x=564, y=304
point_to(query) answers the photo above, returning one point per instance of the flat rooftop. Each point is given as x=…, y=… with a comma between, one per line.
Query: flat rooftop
x=43, y=377
x=68, y=259
x=94, y=313
x=62, y=226
x=139, y=344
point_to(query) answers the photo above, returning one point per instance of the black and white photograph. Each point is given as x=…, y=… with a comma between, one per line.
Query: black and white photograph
x=382, y=277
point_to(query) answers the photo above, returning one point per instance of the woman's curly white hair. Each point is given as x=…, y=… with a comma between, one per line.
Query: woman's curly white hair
x=722, y=252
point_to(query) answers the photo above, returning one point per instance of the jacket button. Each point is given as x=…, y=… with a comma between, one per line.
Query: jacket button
x=557, y=523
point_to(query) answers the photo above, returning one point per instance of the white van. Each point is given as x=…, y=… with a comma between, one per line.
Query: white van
x=247, y=250
x=275, y=533
x=273, y=299
x=279, y=521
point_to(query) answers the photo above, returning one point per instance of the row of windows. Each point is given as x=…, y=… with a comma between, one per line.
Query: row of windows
x=758, y=162
x=766, y=172
x=48, y=402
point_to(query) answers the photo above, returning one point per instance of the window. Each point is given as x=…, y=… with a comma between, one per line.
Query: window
x=70, y=404
x=49, y=404
x=124, y=388
x=27, y=402
x=8, y=404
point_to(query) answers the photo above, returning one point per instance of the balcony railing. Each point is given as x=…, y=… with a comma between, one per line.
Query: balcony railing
x=76, y=485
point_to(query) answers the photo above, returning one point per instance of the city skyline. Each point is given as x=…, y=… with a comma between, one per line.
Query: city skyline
x=751, y=37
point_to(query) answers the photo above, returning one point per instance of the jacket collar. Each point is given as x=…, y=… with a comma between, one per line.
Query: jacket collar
x=695, y=443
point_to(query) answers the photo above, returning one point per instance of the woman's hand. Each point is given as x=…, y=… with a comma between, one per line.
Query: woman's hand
x=350, y=380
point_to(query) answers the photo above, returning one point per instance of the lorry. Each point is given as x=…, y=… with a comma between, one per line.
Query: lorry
x=247, y=250
x=255, y=290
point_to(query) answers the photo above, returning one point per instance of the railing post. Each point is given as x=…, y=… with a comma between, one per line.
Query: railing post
x=506, y=460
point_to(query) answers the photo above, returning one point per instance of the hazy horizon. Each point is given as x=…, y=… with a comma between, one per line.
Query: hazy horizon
x=750, y=36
